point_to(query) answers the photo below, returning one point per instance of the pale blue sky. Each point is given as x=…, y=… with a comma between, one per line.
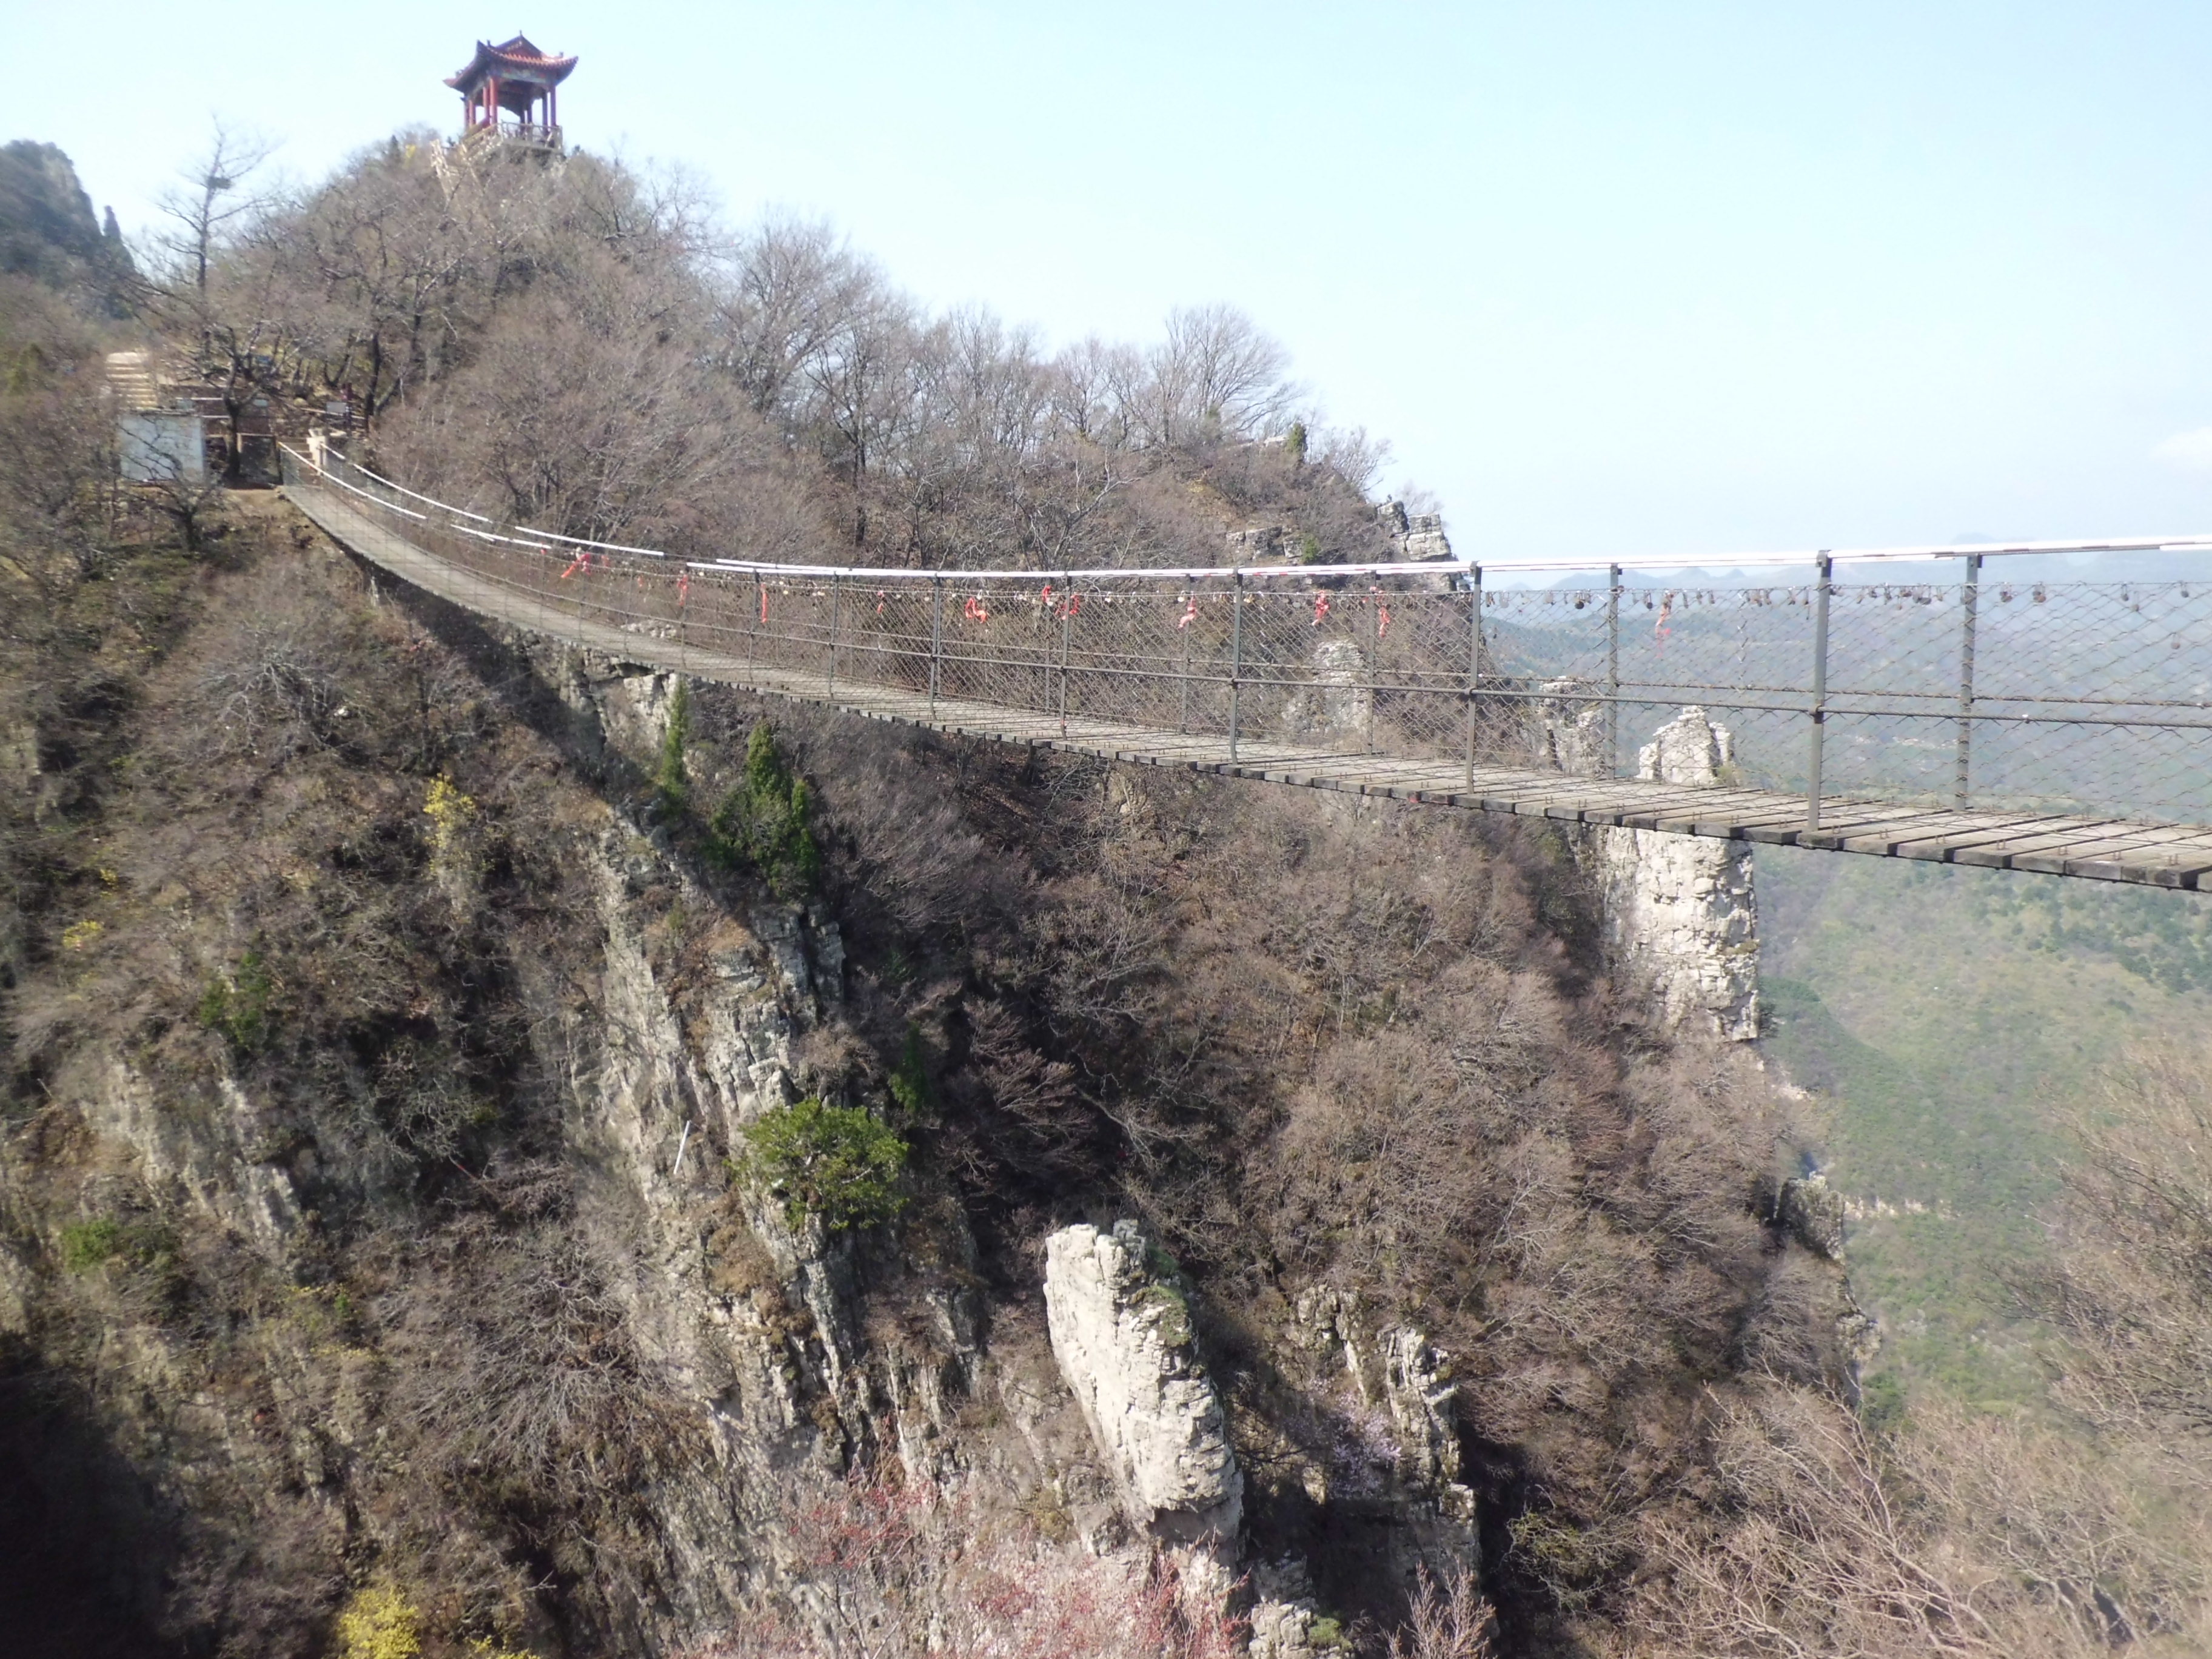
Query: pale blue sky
x=1610, y=279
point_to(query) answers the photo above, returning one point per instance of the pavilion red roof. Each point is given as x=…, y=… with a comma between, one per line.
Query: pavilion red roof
x=516, y=59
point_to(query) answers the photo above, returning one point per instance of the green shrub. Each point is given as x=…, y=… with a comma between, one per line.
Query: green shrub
x=910, y=1078
x=671, y=782
x=1881, y=1403
x=86, y=1244
x=1294, y=443
x=766, y=821
x=1175, y=1327
x=834, y=1162
x=237, y=1005
x=141, y=1244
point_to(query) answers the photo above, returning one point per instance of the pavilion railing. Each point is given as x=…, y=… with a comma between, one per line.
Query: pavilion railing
x=1990, y=692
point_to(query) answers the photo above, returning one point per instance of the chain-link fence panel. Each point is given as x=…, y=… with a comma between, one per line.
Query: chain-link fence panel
x=1983, y=691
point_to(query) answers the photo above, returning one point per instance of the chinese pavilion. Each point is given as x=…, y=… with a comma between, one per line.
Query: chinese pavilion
x=515, y=77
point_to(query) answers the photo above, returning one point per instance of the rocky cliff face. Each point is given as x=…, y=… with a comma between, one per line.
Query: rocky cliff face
x=1681, y=912
x=47, y=229
x=387, y=1185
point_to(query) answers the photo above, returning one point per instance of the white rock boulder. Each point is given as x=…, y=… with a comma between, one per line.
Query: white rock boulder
x=1121, y=1334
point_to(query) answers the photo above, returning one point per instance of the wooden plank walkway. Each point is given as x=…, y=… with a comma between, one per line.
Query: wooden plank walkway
x=2160, y=855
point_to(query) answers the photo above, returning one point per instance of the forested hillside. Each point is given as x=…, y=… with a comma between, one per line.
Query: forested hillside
x=1951, y=1017
x=506, y=1153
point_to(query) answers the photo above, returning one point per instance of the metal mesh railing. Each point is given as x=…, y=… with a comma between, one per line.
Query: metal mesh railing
x=1984, y=692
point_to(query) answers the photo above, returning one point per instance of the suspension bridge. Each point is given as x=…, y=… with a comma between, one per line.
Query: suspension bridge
x=1996, y=717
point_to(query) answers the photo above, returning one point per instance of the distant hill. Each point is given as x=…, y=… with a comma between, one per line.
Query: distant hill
x=47, y=229
x=2177, y=566
x=1941, y=1014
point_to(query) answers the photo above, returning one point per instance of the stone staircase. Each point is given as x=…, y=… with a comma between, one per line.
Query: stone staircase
x=131, y=381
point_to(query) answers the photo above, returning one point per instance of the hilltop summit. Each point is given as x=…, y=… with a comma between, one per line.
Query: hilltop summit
x=47, y=230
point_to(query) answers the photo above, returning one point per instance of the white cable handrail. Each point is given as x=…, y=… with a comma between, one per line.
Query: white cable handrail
x=443, y=506
x=604, y=547
x=324, y=473
x=2175, y=543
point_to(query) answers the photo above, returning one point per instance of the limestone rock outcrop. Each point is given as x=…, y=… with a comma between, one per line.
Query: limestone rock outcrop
x=1338, y=702
x=1681, y=917
x=1812, y=1211
x=1413, y=535
x=1567, y=728
x=1121, y=1334
x=1285, y=1620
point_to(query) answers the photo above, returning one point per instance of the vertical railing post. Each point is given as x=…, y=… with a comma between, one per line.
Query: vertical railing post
x=542, y=579
x=1613, y=671
x=1066, y=641
x=1473, y=658
x=1372, y=665
x=1183, y=628
x=836, y=589
x=936, y=640
x=1820, y=692
x=1969, y=594
x=1235, y=664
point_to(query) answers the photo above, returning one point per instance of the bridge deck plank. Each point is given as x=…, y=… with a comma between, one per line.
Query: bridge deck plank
x=2033, y=838
x=1722, y=812
x=2160, y=856
x=2139, y=843
x=1951, y=834
x=2103, y=849
x=1838, y=820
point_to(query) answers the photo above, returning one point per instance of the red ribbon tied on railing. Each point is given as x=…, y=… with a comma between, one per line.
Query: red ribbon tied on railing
x=973, y=610
x=880, y=602
x=1190, y=614
x=1321, y=608
x=683, y=586
x=1382, y=622
x=581, y=561
x=764, y=601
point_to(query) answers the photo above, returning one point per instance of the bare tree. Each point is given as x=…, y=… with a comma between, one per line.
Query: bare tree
x=1216, y=375
x=1448, y=1622
x=210, y=197
x=789, y=288
x=2131, y=1286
